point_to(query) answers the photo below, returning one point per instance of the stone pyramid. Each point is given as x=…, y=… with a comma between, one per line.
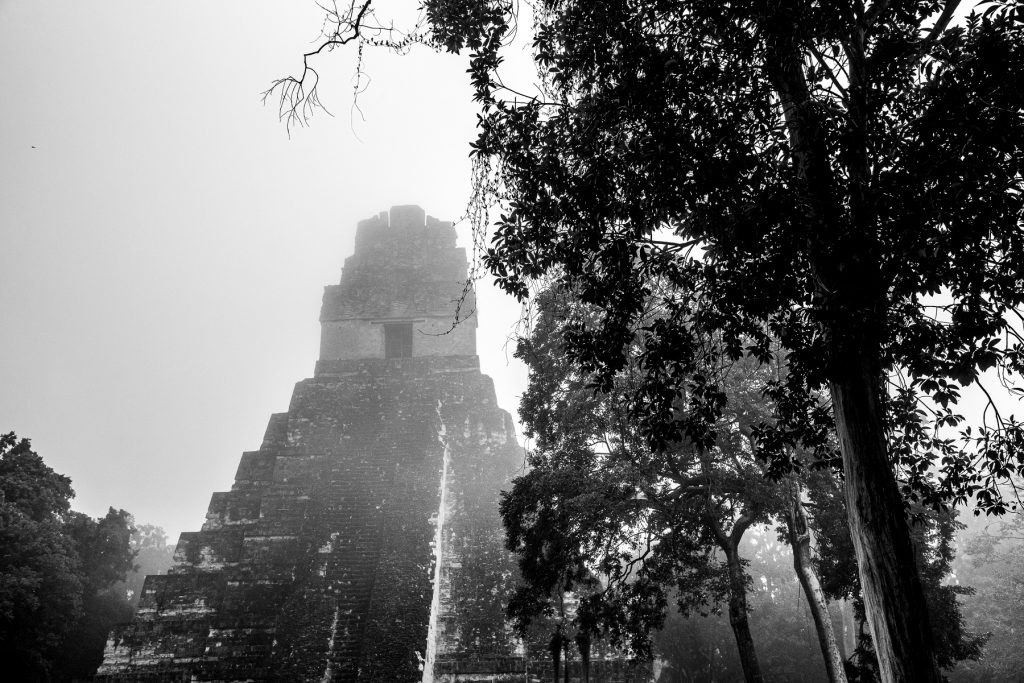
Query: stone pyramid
x=361, y=542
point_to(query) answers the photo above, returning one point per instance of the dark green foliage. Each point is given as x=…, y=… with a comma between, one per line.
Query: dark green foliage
x=58, y=571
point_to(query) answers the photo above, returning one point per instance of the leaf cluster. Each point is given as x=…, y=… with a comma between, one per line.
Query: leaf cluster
x=58, y=569
x=599, y=513
x=666, y=161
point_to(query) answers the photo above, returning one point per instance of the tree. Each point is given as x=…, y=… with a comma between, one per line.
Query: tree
x=991, y=561
x=798, y=535
x=842, y=176
x=152, y=556
x=596, y=498
x=58, y=571
x=932, y=536
x=40, y=583
x=105, y=557
x=696, y=648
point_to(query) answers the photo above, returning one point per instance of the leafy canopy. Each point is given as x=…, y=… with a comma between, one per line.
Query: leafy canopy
x=843, y=177
x=58, y=569
x=666, y=159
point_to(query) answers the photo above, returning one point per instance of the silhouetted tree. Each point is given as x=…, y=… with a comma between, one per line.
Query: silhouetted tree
x=40, y=578
x=58, y=571
x=844, y=177
x=105, y=558
x=933, y=534
x=650, y=522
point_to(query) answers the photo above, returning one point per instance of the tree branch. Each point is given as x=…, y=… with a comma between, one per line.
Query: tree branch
x=298, y=96
x=874, y=12
x=940, y=24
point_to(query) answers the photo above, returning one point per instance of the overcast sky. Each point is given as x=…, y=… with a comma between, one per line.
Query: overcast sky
x=165, y=244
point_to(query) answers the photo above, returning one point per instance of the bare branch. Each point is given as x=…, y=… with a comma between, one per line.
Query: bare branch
x=298, y=97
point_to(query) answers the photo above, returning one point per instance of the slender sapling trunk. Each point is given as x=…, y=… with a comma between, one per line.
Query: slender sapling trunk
x=800, y=540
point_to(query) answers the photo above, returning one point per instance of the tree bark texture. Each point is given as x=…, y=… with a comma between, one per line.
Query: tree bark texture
x=800, y=540
x=841, y=255
x=893, y=596
x=738, y=618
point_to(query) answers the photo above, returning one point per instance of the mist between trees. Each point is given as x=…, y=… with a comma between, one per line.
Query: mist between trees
x=65, y=578
x=698, y=557
x=779, y=367
x=825, y=170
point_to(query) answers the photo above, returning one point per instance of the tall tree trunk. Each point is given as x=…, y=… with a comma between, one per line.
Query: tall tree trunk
x=842, y=255
x=555, y=646
x=800, y=540
x=893, y=596
x=729, y=543
x=583, y=643
x=738, y=617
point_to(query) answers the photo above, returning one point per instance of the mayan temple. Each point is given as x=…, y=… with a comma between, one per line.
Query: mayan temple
x=361, y=542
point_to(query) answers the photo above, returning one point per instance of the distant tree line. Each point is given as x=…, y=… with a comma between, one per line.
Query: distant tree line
x=991, y=563
x=65, y=578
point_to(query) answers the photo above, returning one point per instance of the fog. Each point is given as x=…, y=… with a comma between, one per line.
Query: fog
x=165, y=241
